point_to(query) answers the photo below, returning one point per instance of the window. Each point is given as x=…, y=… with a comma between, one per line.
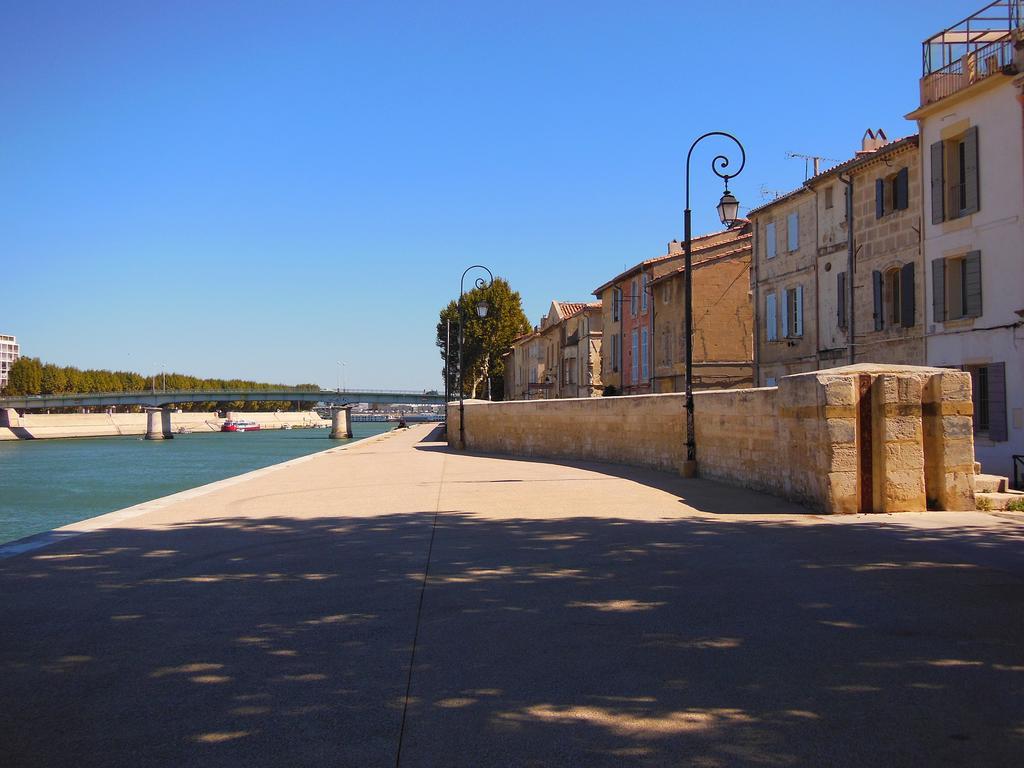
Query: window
x=954, y=176
x=632, y=298
x=892, y=297
x=988, y=391
x=771, y=322
x=769, y=240
x=892, y=193
x=795, y=312
x=828, y=197
x=615, y=352
x=643, y=292
x=793, y=231
x=645, y=373
x=635, y=358
x=616, y=303
x=956, y=287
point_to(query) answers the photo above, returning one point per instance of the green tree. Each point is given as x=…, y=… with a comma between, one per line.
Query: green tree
x=25, y=377
x=486, y=339
x=52, y=380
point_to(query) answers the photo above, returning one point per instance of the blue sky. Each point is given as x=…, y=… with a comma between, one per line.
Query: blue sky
x=262, y=189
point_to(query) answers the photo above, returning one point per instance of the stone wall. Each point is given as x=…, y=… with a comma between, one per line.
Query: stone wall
x=38, y=426
x=857, y=439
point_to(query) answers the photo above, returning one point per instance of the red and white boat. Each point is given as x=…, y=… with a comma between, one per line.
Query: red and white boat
x=239, y=426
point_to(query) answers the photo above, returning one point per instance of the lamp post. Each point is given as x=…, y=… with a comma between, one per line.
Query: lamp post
x=728, y=212
x=481, y=310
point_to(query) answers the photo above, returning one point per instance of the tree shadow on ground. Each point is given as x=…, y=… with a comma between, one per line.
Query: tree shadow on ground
x=574, y=641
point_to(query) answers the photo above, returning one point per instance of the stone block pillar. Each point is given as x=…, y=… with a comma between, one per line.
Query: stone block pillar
x=158, y=424
x=948, y=411
x=341, y=423
x=898, y=445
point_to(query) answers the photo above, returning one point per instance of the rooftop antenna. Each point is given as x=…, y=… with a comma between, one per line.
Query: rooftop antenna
x=772, y=194
x=808, y=159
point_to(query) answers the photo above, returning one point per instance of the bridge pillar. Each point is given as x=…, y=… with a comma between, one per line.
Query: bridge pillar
x=158, y=424
x=341, y=423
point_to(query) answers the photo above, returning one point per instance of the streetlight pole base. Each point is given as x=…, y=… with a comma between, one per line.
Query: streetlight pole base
x=688, y=469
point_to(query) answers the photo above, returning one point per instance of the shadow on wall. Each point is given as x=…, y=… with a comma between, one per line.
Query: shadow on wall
x=575, y=641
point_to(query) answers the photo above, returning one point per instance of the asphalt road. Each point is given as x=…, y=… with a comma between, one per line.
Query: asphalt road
x=573, y=615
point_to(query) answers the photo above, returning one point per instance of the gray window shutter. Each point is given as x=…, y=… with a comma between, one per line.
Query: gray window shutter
x=841, y=298
x=902, y=200
x=907, y=295
x=876, y=283
x=938, y=187
x=972, y=284
x=787, y=322
x=970, y=180
x=939, y=291
x=997, y=402
x=879, y=198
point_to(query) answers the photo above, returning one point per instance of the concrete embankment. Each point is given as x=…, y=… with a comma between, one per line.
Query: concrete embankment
x=37, y=426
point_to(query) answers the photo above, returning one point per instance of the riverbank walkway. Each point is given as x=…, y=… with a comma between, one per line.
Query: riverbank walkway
x=571, y=615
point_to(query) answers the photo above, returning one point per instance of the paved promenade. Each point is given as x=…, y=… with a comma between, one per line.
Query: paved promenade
x=573, y=615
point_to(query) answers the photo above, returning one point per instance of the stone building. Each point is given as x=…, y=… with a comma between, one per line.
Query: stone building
x=628, y=316
x=722, y=317
x=970, y=122
x=560, y=357
x=784, y=283
x=886, y=292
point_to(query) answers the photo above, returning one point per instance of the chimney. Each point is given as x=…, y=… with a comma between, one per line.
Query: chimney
x=872, y=140
x=674, y=248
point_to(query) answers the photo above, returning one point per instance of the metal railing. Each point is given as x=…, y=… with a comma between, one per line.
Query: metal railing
x=970, y=68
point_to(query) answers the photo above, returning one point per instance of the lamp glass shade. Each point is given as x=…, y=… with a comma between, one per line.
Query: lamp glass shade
x=728, y=209
x=481, y=309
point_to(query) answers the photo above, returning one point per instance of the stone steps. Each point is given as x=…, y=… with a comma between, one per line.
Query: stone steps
x=990, y=483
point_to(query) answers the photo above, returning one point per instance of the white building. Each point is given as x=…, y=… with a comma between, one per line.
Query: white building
x=9, y=352
x=970, y=121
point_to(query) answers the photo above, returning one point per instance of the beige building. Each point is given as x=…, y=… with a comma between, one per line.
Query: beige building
x=811, y=314
x=628, y=318
x=886, y=292
x=784, y=284
x=9, y=352
x=722, y=317
x=561, y=357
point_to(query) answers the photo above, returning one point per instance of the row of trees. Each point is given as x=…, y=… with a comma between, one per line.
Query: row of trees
x=31, y=376
x=486, y=339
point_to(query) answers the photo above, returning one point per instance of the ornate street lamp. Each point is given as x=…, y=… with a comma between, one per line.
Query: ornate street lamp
x=728, y=212
x=481, y=310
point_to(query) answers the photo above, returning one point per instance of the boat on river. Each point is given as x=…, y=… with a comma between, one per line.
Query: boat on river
x=239, y=426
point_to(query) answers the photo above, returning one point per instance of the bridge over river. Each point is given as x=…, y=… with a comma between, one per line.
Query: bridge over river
x=163, y=398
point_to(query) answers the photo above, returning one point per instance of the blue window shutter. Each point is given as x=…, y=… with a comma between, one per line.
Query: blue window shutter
x=799, y=320
x=879, y=198
x=902, y=201
x=907, y=305
x=841, y=299
x=771, y=318
x=876, y=284
x=770, y=241
x=786, y=318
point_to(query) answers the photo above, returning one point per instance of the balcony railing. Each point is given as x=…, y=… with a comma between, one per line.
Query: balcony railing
x=970, y=51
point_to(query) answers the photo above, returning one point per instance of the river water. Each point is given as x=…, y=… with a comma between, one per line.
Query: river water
x=48, y=483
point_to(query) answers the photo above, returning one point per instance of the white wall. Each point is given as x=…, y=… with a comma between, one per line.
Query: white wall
x=997, y=231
